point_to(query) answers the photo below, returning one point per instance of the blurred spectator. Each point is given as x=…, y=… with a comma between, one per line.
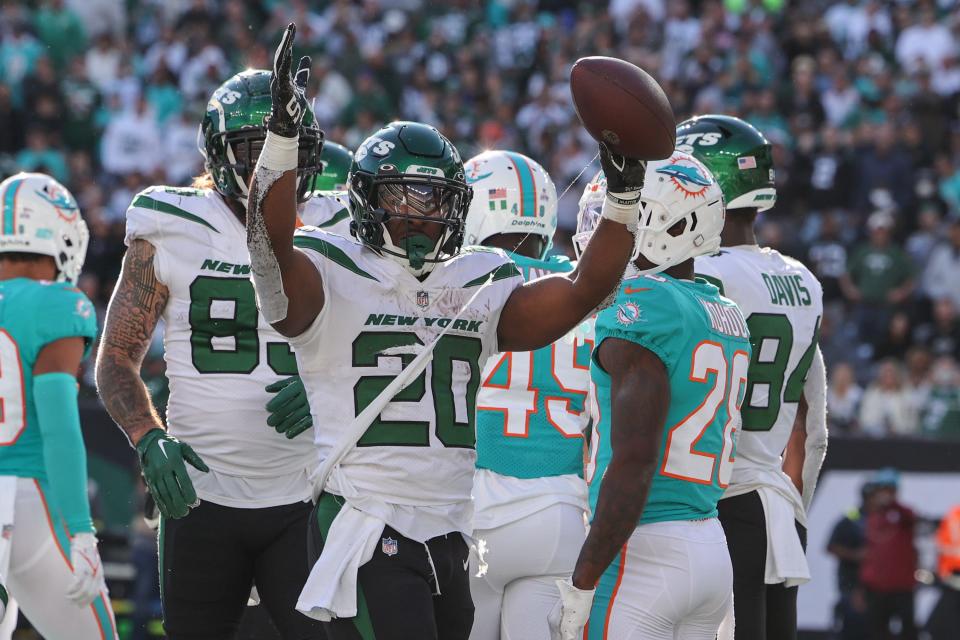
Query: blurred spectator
x=886, y=407
x=103, y=61
x=40, y=155
x=61, y=32
x=181, y=157
x=827, y=258
x=131, y=142
x=922, y=242
x=948, y=569
x=12, y=132
x=19, y=52
x=848, y=545
x=884, y=171
x=896, y=339
x=926, y=44
x=879, y=277
x=843, y=398
x=941, y=279
x=83, y=102
x=942, y=335
x=941, y=416
x=889, y=560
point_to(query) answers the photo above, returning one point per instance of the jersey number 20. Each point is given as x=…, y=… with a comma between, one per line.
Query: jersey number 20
x=726, y=384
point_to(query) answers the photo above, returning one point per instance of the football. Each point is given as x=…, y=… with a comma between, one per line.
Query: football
x=622, y=105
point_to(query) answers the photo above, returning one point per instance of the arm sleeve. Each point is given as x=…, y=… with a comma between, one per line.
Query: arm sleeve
x=64, y=455
x=815, y=392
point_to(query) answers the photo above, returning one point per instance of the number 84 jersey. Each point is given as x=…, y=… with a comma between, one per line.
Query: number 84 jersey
x=220, y=352
x=783, y=304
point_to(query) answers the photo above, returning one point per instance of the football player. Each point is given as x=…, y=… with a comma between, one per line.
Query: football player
x=330, y=188
x=390, y=331
x=235, y=514
x=48, y=550
x=529, y=495
x=784, y=435
x=668, y=372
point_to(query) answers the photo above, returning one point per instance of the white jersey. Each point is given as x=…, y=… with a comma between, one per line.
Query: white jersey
x=413, y=467
x=328, y=210
x=220, y=353
x=783, y=303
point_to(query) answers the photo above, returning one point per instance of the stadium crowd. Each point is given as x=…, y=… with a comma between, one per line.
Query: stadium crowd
x=859, y=97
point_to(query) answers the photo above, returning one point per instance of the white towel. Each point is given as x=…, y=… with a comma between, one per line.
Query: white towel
x=331, y=589
x=786, y=561
x=8, y=499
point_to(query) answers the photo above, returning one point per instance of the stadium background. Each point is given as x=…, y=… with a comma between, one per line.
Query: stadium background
x=859, y=98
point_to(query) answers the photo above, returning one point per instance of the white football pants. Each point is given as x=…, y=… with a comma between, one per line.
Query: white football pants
x=35, y=560
x=671, y=581
x=525, y=558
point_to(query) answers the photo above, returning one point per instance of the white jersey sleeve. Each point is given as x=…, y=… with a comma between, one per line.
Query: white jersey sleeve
x=783, y=304
x=220, y=353
x=414, y=464
x=327, y=210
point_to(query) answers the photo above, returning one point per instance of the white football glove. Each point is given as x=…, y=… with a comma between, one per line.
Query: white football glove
x=569, y=616
x=88, y=579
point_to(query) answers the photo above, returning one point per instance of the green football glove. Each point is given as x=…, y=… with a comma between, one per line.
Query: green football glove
x=161, y=460
x=289, y=410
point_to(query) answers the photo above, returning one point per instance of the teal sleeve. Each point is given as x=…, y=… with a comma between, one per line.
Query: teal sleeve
x=55, y=396
x=67, y=313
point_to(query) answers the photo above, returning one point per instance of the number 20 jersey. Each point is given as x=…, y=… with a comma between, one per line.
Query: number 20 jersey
x=413, y=467
x=220, y=352
x=783, y=303
x=701, y=339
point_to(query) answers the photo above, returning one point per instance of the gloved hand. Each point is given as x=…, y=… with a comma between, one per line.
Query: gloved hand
x=569, y=616
x=289, y=410
x=161, y=460
x=624, y=176
x=88, y=581
x=287, y=91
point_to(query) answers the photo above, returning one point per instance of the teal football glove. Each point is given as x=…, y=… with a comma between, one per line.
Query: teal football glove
x=161, y=460
x=289, y=409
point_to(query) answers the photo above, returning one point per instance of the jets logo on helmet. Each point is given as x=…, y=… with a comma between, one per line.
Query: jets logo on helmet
x=511, y=194
x=38, y=215
x=738, y=156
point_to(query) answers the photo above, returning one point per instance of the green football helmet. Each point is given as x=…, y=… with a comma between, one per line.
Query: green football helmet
x=232, y=132
x=409, y=167
x=738, y=155
x=335, y=159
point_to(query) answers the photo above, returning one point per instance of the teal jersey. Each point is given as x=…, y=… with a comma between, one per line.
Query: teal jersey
x=33, y=314
x=703, y=342
x=531, y=406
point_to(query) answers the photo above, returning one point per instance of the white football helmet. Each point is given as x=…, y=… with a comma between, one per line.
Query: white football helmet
x=679, y=189
x=39, y=215
x=511, y=194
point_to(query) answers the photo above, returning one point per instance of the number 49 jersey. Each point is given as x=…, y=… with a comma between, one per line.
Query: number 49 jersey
x=701, y=339
x=220, y=352
x=783, y=303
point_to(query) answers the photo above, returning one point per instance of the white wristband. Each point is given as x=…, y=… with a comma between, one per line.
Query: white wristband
x=627, y=214
x=279, y=153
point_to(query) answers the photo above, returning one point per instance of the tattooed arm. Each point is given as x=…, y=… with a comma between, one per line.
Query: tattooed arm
x=137, y=303
x=639, y=387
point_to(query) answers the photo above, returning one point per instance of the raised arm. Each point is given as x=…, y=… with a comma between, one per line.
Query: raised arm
x=288, y=286
x=640, y=398
x=135, y=308
x=541, y=311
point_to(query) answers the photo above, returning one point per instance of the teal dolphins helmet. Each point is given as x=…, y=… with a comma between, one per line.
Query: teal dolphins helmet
x=413, y=168
x=232, y=132
x=738, y=156
x=335, y=160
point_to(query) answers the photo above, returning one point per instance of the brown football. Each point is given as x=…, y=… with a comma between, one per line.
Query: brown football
x=622, y=105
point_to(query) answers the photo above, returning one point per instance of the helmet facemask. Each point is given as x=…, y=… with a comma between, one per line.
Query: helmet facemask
x=419, y=203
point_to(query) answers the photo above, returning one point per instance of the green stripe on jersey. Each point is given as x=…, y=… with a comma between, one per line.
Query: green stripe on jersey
x=343, y=214
x=334, y=253
x=504, y=271
x=146, y=202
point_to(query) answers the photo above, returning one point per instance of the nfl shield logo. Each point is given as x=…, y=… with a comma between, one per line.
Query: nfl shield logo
x=388, y=546
x=423, y=299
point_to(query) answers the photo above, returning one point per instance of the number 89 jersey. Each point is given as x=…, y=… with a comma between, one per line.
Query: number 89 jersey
x=701, y=339
x=220, y=352
x=783, y=303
